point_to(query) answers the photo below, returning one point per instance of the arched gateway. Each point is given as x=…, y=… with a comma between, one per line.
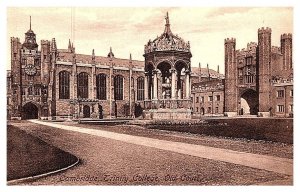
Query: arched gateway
x=167, y=77
x=30, y=111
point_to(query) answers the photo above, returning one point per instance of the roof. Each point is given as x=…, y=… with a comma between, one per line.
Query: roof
x=167, y=41
x=82, y=58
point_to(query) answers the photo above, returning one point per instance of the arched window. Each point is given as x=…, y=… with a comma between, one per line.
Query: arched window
x=140, y=88
x=101, y=86
x=83, y=85
x=64, y=85
x=118, y=85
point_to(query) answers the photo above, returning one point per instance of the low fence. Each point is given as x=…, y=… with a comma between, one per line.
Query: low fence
x=168, y=104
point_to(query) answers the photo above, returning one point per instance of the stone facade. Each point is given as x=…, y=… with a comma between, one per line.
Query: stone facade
x=254, y=75
x=208, y=98
x=258, y=81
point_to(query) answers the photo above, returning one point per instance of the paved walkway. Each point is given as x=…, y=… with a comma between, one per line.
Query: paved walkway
x=269, y=163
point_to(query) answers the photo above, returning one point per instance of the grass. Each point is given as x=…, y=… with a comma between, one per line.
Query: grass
x=267, y=129
x=30, y=156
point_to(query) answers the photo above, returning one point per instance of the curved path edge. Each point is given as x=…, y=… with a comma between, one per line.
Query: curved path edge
x=16, y=181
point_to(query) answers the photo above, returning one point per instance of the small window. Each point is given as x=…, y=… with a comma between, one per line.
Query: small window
x=280, y=108
x=197, y=109
x=197, y=99
x=291, y=108
x=202, y=98
x=209, y=110
x=217, y=110
x=292, y=93
x=218, y=98
x=210, y=98
x=280, y=93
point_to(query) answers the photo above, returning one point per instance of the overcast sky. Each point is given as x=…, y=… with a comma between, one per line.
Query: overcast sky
x=127, y=30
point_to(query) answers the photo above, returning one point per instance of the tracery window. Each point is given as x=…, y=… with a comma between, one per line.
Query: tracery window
x=140, y=88
x=118, y=87
x=83, y=85
x=101, y=86
x=64, y=85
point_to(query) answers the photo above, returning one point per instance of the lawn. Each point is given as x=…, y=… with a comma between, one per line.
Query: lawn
x=267, y=129
x=30, y=156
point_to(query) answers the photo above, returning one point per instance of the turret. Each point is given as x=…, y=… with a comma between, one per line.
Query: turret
x=264, y=70
x=230, y=77
x=110, y=54
x=45, y=61
x=30, y=39
x=286, y=50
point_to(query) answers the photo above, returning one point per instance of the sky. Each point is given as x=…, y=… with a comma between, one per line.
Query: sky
x=127, y=30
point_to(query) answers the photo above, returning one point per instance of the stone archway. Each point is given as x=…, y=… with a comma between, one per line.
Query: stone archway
x=164, y=89
x=30, y=111
x=249, y=102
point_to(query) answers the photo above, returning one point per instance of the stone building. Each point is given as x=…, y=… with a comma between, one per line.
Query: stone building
x=259, y=78
x=52, y=83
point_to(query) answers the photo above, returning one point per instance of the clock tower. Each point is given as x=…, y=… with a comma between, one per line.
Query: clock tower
x=29, y=93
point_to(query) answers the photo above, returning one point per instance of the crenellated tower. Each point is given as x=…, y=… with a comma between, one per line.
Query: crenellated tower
x=45, y=61
x=264, y=70
x=230, y=77
x=16, y=83
x=286, y=50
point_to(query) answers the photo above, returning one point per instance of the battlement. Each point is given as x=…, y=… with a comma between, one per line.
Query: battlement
x=275, y=49
x=264, y=30
x=286, y=36
x=14, y=39
x=251, y=45
x=229, y=40
x=45, y=42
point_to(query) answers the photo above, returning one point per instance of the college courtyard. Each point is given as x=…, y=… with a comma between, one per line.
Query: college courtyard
x=85, y=119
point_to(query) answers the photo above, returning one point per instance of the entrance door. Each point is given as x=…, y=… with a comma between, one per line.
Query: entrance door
x=30, y=111
x=202, y=111
x=100, y=112
x=86, y=112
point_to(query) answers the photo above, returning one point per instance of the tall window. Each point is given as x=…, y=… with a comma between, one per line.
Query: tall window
x=101, y=86
x=30, y=90
x=118, y=85
x=37, y=91
x=64, y=85
x=83, y=85
x=140, y=88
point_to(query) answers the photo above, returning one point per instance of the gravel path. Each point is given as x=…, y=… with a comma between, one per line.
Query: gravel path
x=110, y=162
